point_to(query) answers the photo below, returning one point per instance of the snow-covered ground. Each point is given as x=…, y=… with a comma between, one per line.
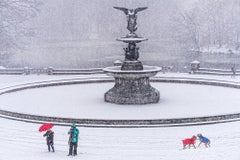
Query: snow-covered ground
x=22, y=141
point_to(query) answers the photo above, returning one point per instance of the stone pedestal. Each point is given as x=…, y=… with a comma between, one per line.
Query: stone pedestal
x=132, y=65
x=132, y=87
x=195, y=65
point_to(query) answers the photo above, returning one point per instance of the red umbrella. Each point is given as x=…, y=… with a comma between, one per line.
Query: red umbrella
x=45, y=127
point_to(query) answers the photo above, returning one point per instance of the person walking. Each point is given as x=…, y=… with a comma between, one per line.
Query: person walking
x=233, y=69
x=49, y=138
x=73, y=140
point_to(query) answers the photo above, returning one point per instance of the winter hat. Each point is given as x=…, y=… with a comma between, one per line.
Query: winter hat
x=73, y=125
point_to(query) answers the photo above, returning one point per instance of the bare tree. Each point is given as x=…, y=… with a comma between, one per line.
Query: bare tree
x=13, y=15
x=208, y=24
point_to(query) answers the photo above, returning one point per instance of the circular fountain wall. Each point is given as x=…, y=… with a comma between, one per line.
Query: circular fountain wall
x=85, y=101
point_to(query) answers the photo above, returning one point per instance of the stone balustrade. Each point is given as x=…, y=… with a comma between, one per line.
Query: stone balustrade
x=197, y=69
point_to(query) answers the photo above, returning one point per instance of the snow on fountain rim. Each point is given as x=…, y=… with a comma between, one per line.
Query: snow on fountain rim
x=146, y=69
x=132, y=39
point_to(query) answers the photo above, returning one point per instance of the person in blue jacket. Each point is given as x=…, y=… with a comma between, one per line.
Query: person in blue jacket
x=73, y=140
x=204, y=140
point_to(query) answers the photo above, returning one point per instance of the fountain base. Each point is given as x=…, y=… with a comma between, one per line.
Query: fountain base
x=132, y=86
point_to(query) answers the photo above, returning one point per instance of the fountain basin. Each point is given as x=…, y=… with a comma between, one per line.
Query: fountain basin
x=132, y=86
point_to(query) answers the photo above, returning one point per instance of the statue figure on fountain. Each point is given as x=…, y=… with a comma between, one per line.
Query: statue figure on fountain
x=131, y=19
x=131, y=52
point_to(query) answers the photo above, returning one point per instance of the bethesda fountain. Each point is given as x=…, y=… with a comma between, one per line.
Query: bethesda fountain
x=132, y=85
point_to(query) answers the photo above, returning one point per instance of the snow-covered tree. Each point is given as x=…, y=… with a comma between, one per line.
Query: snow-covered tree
x=208, y=24
x=13, y=15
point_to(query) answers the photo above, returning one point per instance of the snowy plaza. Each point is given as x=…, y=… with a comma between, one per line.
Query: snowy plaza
x=119, y=79
x=119, y=143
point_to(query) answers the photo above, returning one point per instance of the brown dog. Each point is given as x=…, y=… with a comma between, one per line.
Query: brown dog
x=189, y=141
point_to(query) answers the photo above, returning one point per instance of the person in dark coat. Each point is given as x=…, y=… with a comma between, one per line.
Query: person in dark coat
x=233, y=69
x=73, y=140
x=49, y=138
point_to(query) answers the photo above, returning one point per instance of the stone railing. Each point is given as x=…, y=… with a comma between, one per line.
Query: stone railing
x=196, y=69
x=12, y=71
x=50, y=71
x=220, y=72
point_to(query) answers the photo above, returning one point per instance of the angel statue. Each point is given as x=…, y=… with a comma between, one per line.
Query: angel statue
x=131, y=17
